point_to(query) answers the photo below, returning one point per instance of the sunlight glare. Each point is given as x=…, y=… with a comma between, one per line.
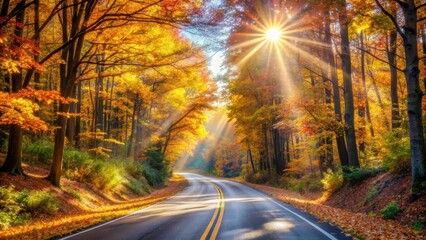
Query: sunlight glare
x=273, y=34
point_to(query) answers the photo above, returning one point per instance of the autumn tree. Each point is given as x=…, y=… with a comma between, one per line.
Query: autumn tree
x=409, y=34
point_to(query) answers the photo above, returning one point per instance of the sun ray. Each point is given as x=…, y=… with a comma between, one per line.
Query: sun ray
x=247, y=43
x=306, y=55
x=304, y=40
x=251, y=53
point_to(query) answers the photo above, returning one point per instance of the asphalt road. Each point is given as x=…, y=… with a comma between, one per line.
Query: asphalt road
x=212, y=208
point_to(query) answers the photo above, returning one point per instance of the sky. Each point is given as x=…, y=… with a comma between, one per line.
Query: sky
x=212, y=40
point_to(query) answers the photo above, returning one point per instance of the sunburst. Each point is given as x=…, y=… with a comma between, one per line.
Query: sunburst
x=273, y=34
x=279, y=36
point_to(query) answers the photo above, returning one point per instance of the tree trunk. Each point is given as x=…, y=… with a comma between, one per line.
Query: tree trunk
x=266, y=147
x=4, y=8
x=37, y=40
x=99, y=101
x=362, y=100
x=71, y=121
x=13, y=161
x=326, y=156
x=110, y=110
x=396, y=120
x=251, y=160
x=347, y=85
x=423, y=37
x=287, y=146
x=78, y=118
x=68, y=74
x=278, y=151
x=132, y=127
x=58, y=151
x=340, y=138
x=414, y=107
x=423, y=33
x=138, y=137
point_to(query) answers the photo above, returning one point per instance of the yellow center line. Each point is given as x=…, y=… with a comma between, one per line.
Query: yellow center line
x=219, y=208
x=219, y=220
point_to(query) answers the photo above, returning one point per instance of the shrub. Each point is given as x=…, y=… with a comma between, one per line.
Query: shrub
x=39, y=151
x=300, y=185
x=293, y=184
x=8, y=219
x=138, y=187
x=372, y=193
x=74, y=193
x=397, y=155
x=134, y=169
x=77, y=164
x=332, y=181
x=357, y=175
x=155, y=168
x=417, y=225
x=42, y=202
x=371, y=214
x=391, y=210
x=315, y=185
x=156, y=160
x=258, y=177
x=11, y=208
x=138, y=184
x=152, y=175
x=16, y=206
x=104, y=175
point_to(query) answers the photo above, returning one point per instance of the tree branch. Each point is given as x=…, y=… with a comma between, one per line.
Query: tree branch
x=392, y=18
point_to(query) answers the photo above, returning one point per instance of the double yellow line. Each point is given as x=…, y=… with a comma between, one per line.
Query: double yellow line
x=217, y=216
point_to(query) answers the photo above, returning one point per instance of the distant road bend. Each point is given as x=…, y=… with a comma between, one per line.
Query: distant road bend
x=211, y=208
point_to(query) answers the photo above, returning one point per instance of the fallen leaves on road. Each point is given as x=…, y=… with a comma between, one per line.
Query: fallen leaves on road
x=359, y=225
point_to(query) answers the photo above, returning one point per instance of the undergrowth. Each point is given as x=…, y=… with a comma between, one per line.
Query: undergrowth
x=371, y=193
x=102, y=172
x=309, y=183
x=391, y=210
x=358, y=175
x=396, y=158
x=417, y=225
x=332, y=181
x=17, y=207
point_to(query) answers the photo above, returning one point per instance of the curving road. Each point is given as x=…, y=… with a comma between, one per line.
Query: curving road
x=212, y=208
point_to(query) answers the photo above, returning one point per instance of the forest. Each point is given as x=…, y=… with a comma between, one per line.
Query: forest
x=309, y=96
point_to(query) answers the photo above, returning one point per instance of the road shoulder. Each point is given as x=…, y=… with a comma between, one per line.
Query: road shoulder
x=358, y=225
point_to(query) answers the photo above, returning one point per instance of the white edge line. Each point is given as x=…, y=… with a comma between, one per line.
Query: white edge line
x=116, y=219
x=111, y=221
x=292, y=212
x=304, y=219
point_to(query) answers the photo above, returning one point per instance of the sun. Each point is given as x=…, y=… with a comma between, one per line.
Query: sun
x=273, y=34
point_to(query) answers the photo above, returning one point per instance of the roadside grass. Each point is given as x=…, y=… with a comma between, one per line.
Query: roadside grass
x=66, y=222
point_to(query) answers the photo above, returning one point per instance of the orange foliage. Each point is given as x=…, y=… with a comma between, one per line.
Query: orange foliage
x=19, y=108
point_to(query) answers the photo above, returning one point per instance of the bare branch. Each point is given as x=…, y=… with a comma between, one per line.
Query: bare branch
x=392, y=18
